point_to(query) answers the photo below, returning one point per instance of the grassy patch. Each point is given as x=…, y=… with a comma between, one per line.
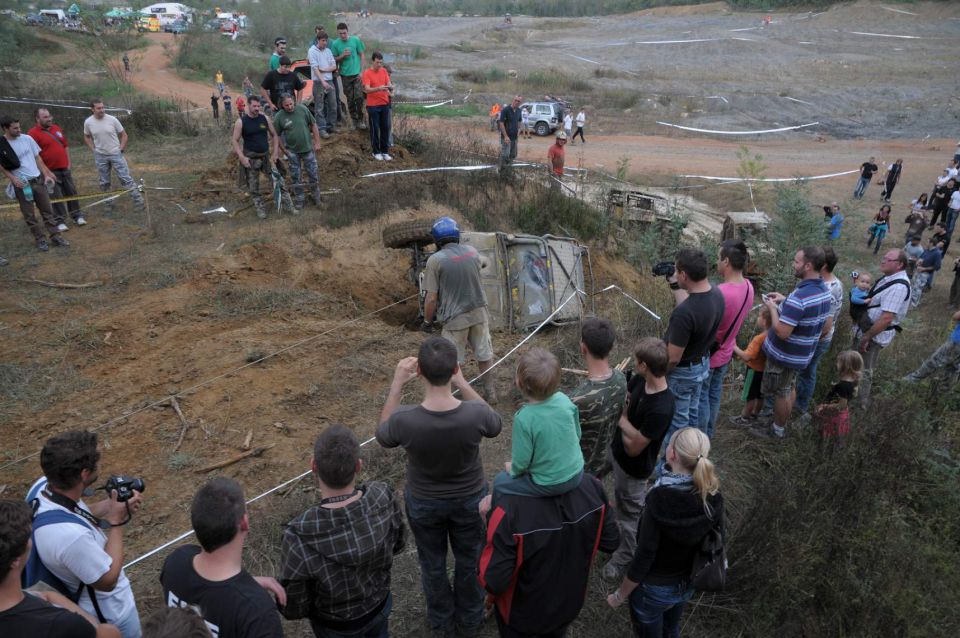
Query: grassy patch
x=447, y=110
x=480, y=76
x=238, y=302
x=36, y=384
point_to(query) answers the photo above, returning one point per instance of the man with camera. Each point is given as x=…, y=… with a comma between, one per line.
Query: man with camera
x=691, y=332
x=80, y=546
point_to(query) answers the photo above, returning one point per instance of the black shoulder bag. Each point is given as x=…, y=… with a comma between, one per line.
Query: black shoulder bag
x=719, y=342
x=8, y=157
x=709, y=570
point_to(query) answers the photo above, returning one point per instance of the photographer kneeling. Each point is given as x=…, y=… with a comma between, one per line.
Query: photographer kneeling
x=80, y=546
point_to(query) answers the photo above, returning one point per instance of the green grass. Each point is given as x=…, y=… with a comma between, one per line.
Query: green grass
x=447, y=110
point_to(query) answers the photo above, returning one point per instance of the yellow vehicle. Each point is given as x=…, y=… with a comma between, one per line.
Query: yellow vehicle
x=149, y=23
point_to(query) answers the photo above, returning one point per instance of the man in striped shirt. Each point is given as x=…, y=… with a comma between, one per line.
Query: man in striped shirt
x=797, y=324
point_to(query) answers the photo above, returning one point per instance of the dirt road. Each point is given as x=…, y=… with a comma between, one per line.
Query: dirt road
x=152, y=73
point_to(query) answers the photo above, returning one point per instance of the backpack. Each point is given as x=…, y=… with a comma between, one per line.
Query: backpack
x=35, y=571
x=8, y=157
x=709, y=569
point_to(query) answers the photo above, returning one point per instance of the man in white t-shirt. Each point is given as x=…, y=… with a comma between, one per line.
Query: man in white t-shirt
x=85, y=554
x=581, y=122
x=568, y=124
x=889, y=302
x=322, y=67
x=29, y=183
x=953, y=211
x=105, y=136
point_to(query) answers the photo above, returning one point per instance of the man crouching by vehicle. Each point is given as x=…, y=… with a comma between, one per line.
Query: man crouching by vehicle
x=80, y=546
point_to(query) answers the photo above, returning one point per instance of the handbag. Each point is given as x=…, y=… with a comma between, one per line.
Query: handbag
x=8, y=157
x=709, y=569
x=719, y=342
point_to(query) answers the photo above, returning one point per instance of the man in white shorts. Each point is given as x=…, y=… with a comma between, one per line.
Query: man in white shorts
x=452, y=282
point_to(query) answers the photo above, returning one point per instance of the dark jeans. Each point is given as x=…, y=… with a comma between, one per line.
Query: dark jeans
x=65, y=188
x=506, y=631
x=656, y=610
x=379, y=117
x=434, y=523
x=42, y=201
x=376, y=628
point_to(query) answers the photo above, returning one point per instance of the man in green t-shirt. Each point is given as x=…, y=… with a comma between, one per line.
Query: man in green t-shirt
x=348, y=52
x=279, y=50
x=299, y=138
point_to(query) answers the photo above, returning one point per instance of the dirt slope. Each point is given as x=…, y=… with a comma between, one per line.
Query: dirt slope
x=152, y=73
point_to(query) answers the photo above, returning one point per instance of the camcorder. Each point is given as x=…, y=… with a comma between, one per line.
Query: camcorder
x=125, y=486
x=664, y=269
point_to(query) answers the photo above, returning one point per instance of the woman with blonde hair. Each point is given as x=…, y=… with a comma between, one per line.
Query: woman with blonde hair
x=680, y=510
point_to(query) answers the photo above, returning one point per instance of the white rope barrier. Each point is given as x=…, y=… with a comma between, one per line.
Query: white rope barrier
x=887, y=35
x=770, y=179
x=256, y=498
x=480, y=167
x=761, y=132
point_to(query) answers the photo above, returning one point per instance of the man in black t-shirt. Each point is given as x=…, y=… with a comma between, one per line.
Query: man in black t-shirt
x=691, y=333
x=509, y=124
x=210, y=578
x=867, y=169
x=34, y=614
x=636, y=444
x=279, y=82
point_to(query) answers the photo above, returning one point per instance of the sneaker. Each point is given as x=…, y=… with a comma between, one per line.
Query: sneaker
x=62, y=227
x=42, y=245
x=80, y=221
x=489, y=393
x=612, y=573
x=261, y=214
x=324, y=135
x=387, y=157
x=3, y=261
x=743, y=421
x=58, y=240
x=378, y=156
x=362, y=126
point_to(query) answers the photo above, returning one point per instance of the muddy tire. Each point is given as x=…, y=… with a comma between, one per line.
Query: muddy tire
x=408, y=234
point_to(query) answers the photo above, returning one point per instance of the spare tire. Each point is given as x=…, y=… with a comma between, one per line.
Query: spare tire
x=408, y=234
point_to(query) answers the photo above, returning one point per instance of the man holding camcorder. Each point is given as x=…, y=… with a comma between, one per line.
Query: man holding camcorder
x=79, y=548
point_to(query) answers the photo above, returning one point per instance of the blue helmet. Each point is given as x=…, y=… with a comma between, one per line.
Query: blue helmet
x=444, y=230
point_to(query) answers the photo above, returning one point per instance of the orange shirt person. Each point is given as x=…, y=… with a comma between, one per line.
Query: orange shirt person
x=378, y=89
x=557, y=155
x=495, y=115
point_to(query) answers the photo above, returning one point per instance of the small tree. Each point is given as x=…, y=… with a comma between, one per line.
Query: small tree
x=793, y=227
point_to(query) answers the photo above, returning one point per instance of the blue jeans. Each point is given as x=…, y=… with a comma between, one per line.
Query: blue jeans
x=807, y=378
x=300, y=164
x=379, y=117
x=434, y=522
x=686, y=384
x=951, y=220
x=709, y=408
x=376, y=628
x=656, y=609
x=861, y=188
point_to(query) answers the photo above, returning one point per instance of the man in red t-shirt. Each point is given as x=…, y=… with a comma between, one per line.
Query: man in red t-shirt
x=378, y=89
x=557, y=155
x=55, y=153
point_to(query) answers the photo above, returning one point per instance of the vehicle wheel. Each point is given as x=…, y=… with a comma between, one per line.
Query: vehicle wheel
x=542, y=129
x=408, y=234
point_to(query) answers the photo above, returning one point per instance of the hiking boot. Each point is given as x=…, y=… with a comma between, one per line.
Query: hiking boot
x=324, y=135
x=42, y=245
x=743, y=421
x=772, y=431
x=490, y=393
x=612, y=574
x=58, y=240
x=261, y=214
x=62, y=227
x=3, y=261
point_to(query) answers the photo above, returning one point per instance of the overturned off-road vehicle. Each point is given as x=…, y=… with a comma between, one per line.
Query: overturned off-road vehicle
x=524, y=277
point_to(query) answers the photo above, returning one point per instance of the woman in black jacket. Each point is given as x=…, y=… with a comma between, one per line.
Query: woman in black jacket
x=680, y=509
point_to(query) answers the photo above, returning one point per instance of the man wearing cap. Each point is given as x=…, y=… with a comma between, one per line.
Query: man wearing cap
x=279, y=82
x=279, y=50
x=348, y=52
x=556, y=157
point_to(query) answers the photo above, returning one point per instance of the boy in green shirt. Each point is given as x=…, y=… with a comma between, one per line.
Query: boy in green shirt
x=546, y=458
x=348, y=52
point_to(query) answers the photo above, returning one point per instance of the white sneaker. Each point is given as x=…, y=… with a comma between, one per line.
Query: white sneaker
x=62, y=228
x=378, y=156
x=80, y=221
x=387, y=157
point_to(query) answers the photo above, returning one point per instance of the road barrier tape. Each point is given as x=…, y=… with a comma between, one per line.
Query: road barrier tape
x=909, y=13
x=472, y=167
x=433, y=106
x=74, y=198
x=189, y=533
x=771, y=130
x=887, y=35
x=680, y=41
x=577, y=57
x=793, y=99
x=770, y=179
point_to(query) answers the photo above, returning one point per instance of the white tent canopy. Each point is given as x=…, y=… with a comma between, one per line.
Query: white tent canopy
x=169, y=11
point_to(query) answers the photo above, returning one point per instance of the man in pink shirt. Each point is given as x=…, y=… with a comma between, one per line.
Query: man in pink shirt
x=738, y=298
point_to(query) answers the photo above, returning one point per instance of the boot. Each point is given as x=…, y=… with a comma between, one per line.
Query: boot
x=490, y=391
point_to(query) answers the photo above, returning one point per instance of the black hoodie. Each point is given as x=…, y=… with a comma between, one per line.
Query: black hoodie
x=672, y=527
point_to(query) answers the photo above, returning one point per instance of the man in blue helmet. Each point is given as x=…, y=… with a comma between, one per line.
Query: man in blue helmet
x=452, y=282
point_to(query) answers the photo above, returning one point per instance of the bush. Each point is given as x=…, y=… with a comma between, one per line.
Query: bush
x=206, y=53
x=480, y=76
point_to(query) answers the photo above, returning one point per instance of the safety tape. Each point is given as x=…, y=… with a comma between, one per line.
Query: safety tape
x=770, y=130
x=74, y=198
x=771, y=179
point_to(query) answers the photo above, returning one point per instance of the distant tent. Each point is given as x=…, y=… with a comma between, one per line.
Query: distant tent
x=117, y=13
x=74, y=10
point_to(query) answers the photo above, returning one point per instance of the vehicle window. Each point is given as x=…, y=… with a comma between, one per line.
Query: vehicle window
x=543, y=108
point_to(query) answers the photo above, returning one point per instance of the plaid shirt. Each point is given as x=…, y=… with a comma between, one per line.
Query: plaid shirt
x=336, y=562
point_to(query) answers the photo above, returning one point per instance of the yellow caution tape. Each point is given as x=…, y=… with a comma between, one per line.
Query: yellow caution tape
x=74, y=198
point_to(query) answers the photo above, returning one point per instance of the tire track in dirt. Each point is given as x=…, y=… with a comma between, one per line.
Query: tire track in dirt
x=151, y=72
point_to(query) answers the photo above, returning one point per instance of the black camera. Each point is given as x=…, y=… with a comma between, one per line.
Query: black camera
x=125, y=486
x=664, y=269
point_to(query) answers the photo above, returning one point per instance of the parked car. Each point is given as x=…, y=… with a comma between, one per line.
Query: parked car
x=545, y=117
x=34, y=19
x=177, y=26
x=303, y=68
x=211, y=25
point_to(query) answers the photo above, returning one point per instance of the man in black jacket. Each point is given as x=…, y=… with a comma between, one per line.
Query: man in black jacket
x=536, y=563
